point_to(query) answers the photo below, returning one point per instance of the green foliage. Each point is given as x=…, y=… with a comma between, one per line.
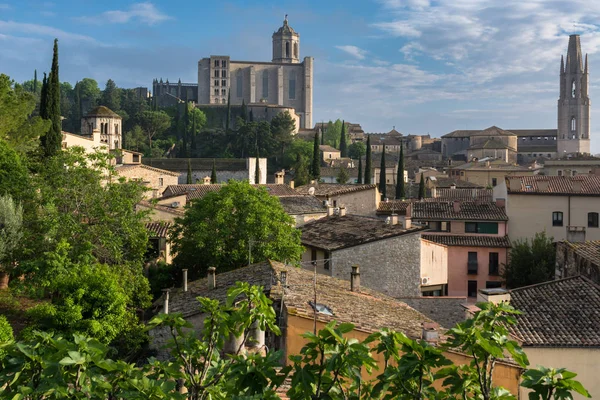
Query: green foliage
x=422, y=193
x=332, y=133
x=11, y=230
x=368, y=172
x=316, y=159
x=162, y=275
x=154, y=123
x=14, y=177
x=297, y=146
x=301, y=173
x=6, y=334
x=229, y=228
x=360, y=176
x=550, y=383
x=357, y=150
x=213, y=174
x=342, y=175
x=111, y=96
x=382, y=176
x=135, y=140
x=52, y=140
x=530, y=262
x=400, y=189
x=282, y=128
x=343, y=141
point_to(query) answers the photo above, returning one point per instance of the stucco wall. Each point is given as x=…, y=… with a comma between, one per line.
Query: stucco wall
x=152, y=179
x=457, y=268
x=363, y=202
x=434, y=263
x=445, y=310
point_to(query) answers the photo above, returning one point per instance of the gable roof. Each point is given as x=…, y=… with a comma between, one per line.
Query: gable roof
x=302, y=204
x=333, y=189
x=443, y=182
x=579, y=185
x=158, y=229
x=444, y=194
x=325, y=147
x=131, y=167
x=467, y=210
x=589, y=250
x=367, y=309
x=559, y=313
x=102, y=111
x=197, y=191
x=490, y=144
x=340, y=232
x=469, y=240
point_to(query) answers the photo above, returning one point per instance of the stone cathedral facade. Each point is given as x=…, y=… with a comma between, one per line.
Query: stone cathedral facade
x=285, y=83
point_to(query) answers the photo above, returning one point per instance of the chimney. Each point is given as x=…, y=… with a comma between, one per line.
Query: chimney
x=212, y=280
x=206, y=180
x=330, y=210
x=576, y=185
x=542, y=185
x=430, y=332
x=501, y=202
x=342, y=211
x=456, y=206
x=184, y=279
x=166, y=303
x=453, y=186
x=292, y=184
x=494, y=295
x=279, y=177
x=355, y=279
x=434, y=192
x=407, y=222
x=394, y=219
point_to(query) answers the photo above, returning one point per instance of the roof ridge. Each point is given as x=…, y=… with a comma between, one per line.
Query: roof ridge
x=546, y=283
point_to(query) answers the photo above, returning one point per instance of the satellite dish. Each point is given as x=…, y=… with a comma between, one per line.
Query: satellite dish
x=311, y=191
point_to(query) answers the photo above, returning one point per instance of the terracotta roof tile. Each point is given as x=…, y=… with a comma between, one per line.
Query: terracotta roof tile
x=338, y=232
x=469, y=240
x=467, y=210
x=302, y=204
x=443, y=182
x=158, y=229
x=560, y=313
x=333, y=189
x=102, y=111
x=579, y=185
x=463, y=194
x=589, y=250
x=198, y=191
x=129, y=167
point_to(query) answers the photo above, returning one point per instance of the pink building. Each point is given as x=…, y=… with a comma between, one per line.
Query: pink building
x=468, y=239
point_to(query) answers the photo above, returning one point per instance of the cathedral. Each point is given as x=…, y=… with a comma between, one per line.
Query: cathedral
x=526, y=145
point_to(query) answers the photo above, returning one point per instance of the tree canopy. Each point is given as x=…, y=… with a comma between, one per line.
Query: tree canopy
x=530, y=261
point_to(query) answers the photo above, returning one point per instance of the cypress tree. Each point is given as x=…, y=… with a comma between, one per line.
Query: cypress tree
x=382, y=177
x=194, y=134
x=213, y=175
x=251, y=116
x=316, y=161
x=360, y=178
x=368, y=161
x=422, y=188
x=44, y=98
x=400, y=190
x=189, y=172
x=228, y=112
x=257, y=169
x=244, y=111
x=53, y=139
x=343, y=145
x=35, y=81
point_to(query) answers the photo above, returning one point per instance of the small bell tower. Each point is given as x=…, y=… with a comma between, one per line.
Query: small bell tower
x=286, y=44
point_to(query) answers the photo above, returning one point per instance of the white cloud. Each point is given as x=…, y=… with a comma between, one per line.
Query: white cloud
x=42, y=30
x=354, y=51
x=4, y=6
x=145, y=13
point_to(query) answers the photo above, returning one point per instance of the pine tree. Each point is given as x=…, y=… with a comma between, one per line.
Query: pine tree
x=35, y=81
x=422, y=188
x=213, y=175
x=316, y=161
x=343, y=144
x=52, y=141
x=189, y=172
x=228, y=112
x=360, y=178
x=382, y=177
x=44, y=98
x=400, y=190
x=257, y=169
x=368, y=161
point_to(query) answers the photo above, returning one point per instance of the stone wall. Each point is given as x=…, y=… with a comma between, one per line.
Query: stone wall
x=390, y=266
x=446, y=311
x=569, y=263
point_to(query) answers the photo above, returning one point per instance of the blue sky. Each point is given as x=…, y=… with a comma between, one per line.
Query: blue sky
x=423, y=66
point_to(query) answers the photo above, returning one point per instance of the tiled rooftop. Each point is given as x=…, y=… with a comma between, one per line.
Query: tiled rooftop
x=338, y=232
x=302, y=204
x=469, y=240
x=397, y=206
x=206, y=164
x=129, y=167
x=579, y=185
x=198, y=191
x=534, y=132
x=158, y=229
x=160, y=207
x=560, y=313
x=490, y=144
x=467, y=210
x=333, y=189
x=491, y=131
x=367, y=309
x=463, y=194
x=589, y=250
x=443, y=182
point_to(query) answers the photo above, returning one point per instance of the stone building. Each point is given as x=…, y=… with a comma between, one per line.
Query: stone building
x=238, y=169
x=357, y=199
x=578, y=258
x=167, y=94
x=285, y=81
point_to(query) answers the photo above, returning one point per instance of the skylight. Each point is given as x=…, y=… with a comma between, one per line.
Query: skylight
x=321, y=308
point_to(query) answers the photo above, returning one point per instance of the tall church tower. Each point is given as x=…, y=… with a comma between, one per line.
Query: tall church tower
x=286, y=44
x=574, y=102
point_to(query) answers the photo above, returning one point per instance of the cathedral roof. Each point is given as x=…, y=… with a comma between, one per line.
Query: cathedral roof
x=491, y=131
x=286, y=28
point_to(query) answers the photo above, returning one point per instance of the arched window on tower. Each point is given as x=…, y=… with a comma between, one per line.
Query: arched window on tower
x=265, y=84
x=287, y=49
x=295, y=50
x=573, y=124
x=573, y=87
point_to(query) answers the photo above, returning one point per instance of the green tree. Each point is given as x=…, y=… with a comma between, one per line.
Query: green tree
x=189, y=179
x=35, y=81
x=52, y=140
x=316, y=159
x=332, y=133
x=422, y=193
x=244, y=112
x=233, y=226
x=228, y=117
x=400, y=190
x=154, y=123
x=213, y=174
x=14, y=177
x=301, y=173
x=297, y=146
x=282, y=129
x=360, y=178
x=530, y=262
x=368, y=172
x=257, y=170
x=343, y=145
x=342, y=175
x=356, y=150
x=382, y=177
x=11, y=232
x=6, y=334
x=44, y=98
x=111, y=96
x=551, y=383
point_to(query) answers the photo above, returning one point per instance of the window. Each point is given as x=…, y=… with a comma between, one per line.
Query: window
x=327, y=260
x=265, y=84
x=216, y=92
x=573, y=124
x=224, y=74
x=238, y=79
x=445, y=226
x=493, y=264
x=295, y=50
x=292, y=88
x=216, y=63
x=494, y=181
x=223, y=101
x=216, y=82
x=224, y=65
x=557, y=218
x=223, y=92
x=223, y=82
x=287, y=49
x=481, y=227
x=593, y=220
x=493, y=284
x=216, y=73
x=116, y=129
x=560, y=172
x=160, y=181
x=472, y=263
x=472, y=288
x=574, y=172
x=573, y=87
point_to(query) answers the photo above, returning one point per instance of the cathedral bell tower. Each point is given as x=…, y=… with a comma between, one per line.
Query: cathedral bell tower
x=574, y=102
x=286, y=44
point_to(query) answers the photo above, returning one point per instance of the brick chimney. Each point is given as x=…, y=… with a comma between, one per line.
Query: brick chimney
x=407, y=222
x=292, y=184
x=184, y=279
x=330, y=210
x=456, y=206
x=355, y=279
x=212, y=279
x=501, y=202
x=576, y=185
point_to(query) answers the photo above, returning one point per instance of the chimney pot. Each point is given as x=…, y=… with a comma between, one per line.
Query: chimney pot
x=206, y=180
x=434, y=192
x=279, y=177
x=342, y=211
x=407, y=222
x=355, y=279
x=430, y=332
x=394, y=219
x=330, y=211
x=185, y=279
x=292, y=184
x=212, y=280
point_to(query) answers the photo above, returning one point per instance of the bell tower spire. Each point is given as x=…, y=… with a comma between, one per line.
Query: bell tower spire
x=574, y=102
x=286, y=44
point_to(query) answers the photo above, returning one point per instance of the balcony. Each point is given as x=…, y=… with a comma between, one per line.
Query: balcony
x=472, y=267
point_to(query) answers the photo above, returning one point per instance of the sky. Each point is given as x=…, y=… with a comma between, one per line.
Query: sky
x=421, y=66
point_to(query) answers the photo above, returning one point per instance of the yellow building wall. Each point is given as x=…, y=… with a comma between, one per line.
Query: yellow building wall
x=585, y=362
x=484, y=178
